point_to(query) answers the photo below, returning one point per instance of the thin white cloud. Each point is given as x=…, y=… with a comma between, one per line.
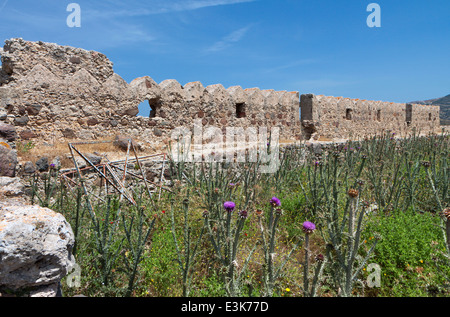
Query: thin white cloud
x=94, y=34
x=120, y=34
x=228, y=40
x=3, y=5
x=295, y=64
x=105, y=24
x=160, y=7
x=199, y=4
x=324, y=83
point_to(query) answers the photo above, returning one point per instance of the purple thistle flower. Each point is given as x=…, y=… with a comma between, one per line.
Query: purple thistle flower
x=308, y=227
x=275, y=202
x=229, y=206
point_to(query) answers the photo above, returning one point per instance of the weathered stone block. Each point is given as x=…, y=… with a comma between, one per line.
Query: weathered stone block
x=35, y=249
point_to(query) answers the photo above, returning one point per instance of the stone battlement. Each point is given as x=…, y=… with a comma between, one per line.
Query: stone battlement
x=54, y=93
x=338, y=117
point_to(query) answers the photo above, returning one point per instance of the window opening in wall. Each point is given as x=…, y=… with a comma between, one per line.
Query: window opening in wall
x=149, y=108
x=429, y=117
x=348, y=114
x=306, y=107
x=143, y=109
x=240, y=110
x=408, y=114
x=378, y=115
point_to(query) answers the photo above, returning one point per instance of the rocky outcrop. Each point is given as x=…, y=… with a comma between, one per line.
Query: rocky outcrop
x=35, y=250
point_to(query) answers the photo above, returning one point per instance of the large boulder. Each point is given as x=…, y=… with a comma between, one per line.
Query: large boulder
x=8, y=161
x=35, y=250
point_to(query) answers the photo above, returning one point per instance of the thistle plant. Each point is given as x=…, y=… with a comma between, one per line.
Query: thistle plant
x=79, y=211
x=438, y=177
x=384, y=167
x=50, y=184
x=342, y=215
x=137, y=234
x=313, y=196
x=412, y=169
x=107, y=245
x=345, y=243
x=311, y=291
x=288, y=170
x=187, y=251
x=226, y=243
x=178, y=164
x=271, y=272
x=446, y=216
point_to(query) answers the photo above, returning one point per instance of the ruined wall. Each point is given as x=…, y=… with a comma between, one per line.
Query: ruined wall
x=54, y=93
x=340, y=118
x=423, y=118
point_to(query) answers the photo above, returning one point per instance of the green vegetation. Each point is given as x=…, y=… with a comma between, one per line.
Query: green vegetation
x=226, y=229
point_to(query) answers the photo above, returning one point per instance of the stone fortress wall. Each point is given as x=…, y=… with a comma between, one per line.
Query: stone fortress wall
x=54, y=93
x=338, y=117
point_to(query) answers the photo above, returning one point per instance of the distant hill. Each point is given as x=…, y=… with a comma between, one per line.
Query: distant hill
x=444, y=103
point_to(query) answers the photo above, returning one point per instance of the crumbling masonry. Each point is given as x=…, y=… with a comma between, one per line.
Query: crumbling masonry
x=55, y=93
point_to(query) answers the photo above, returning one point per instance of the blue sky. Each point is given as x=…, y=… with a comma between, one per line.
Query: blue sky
x=320, y=46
